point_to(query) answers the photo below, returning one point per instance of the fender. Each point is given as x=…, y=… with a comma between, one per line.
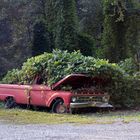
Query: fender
x=58, y=95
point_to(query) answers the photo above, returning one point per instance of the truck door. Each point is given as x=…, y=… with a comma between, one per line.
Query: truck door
x=38, y=96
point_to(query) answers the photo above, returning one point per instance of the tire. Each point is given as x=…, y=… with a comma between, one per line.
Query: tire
x=9, y=103
x=59, y=107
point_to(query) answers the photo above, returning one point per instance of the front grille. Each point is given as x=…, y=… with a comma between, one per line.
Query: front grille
x=89, y=99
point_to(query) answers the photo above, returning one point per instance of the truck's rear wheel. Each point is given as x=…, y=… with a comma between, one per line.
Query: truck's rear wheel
x=10, y=103
x=59, y=107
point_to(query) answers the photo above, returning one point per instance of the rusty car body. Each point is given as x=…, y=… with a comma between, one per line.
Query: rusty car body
x=72, y=91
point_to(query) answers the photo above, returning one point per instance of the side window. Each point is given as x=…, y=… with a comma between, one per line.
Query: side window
x=38, y=80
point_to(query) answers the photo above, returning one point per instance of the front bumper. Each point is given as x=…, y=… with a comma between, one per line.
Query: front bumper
x=87, y=104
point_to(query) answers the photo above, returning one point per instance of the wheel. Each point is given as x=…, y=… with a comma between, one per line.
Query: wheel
x=59, y=107
x=10, y=103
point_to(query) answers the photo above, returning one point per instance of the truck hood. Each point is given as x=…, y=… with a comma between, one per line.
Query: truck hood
x=73, y=80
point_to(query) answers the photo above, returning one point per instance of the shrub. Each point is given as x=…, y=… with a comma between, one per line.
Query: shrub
x=11, y=77
x=51, y=67
x=54, y=66
x=129, y=65
x=125, y=92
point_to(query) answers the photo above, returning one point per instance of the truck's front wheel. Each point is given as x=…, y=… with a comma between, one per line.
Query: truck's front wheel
x=9, y=103
x=59, y=107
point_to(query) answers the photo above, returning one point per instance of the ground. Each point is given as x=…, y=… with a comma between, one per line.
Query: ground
x=115, y=131
x=20, y=124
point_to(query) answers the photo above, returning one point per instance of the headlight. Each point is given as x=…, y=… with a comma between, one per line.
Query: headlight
x=73, y=99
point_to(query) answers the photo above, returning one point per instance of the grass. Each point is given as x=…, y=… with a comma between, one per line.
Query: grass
x=21, y=116
x=36, y=117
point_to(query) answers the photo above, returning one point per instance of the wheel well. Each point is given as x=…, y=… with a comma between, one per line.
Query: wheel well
x=8, y=98
x=58, y=98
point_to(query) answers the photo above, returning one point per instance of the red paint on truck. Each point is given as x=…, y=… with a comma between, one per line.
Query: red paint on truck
x=47, y=96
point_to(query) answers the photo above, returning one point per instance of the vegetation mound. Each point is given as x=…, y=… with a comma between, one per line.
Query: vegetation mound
x=51, y=67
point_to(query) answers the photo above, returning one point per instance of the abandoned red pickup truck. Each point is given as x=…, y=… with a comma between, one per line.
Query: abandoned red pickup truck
x=73, y=91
